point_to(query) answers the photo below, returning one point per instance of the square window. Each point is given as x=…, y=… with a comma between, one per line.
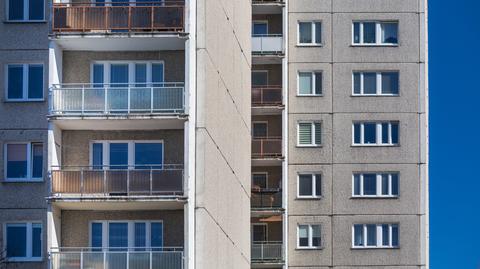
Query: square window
x=36, y=9
x=259, y=180
x=25, y=82
x=260, y=129
x=390, y=81
x=357, y=82
x=389, y=33
x=356, y=33
x=259, y=28
x=303, y=235
x=24, y=241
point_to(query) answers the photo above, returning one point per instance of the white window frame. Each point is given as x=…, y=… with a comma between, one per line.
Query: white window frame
x=379, y=236
x=29, y=243
x=309, y=235
x=259, y=122
x=131, y=70
x=266, y=231
x=314, y=185
x=29, y=177
x=26, y=15
x=378, y=134
x=107, y=3
x=379, y=183
x=379, y=79
x=261, y=173
x=378, y=33
x=313, y=28
x=25, y=83
x=131, y=232
x=312, y=144
x=262, y=71
x=313, y=81
x=131, y=151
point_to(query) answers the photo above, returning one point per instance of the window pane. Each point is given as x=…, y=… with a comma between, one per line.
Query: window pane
x=118, y=235
x=394, y=184
x=305, y=187
x=305, y=83
x=259, y=78
x=369, y=36
x=16, y=160
x=318, y=83
x=16, y=240
x=15, y=9
x=260, y=28
x=370, y=133
x=318, y=133
x=385, y=235
x=157, y=74
x=369, y=184
x=118, y=155
x=305, y=32
x=390, y=33
x=97, y=155
x=305, y=133
x=356, y=133
x=395, y=133
x=259, y=181
x=99, y=3
x=356, y=83
x=119, y=75
x=358, y=235
x=259, y=233
x=260, y=129
x=148, y=155
x=37, y=160
x=15, y=81
x=140, y=75
x=35, y=9
x=390, y=82
x=385, y=184
x=303, y=235
x=385, y=133
x=318, y=32
x=371, y=235
x=140, y=235
x=395, y=235
x=356, y=184
x=356, y=32
x=316, y=236
x=96, y=236
x=318, y=184
x=156, y=234
x=35, y=81
x=36, y=240
x=98, y=75
x=369, y=83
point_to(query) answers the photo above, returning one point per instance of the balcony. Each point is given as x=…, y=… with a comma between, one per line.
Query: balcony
x=266, y=96
x=266, y=199
x=267, y=6
x=267, y=252
x=117, y=258
x=267, y=148
x=267, y=44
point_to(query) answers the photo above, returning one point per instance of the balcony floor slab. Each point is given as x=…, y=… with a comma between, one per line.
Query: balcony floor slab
x=118, y=203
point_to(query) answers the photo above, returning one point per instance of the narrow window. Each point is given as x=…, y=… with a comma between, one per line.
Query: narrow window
x=310, y=33
x=259, y=232
x=96, y=236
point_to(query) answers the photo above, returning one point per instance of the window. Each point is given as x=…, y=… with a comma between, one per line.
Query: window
x=375, y=236
x=120, y=235
x=24, y=161
x=24, y=241
x=25, y=10
x=25, y=82
x=139, y=154
x=375, y=184
x=310, y=33
x=122, y=74
x=259, y=180
x=259, y=28
x=259, y=78
x=309, y=186
x=309, y=134
x=259, y=232
x=375, y=33
x=375, y=133
x=375, y=83
x=260, y=129
x=309, y=236
x=309, y=83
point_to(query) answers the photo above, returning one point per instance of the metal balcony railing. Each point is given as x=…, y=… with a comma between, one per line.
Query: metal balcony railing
x=267, y=147
x=267, y=252
x=266, y=95
x=266, y=199
x=267, y=44
x=117, y=258
x=88, y=17
x=117, y=99
x=159, y=180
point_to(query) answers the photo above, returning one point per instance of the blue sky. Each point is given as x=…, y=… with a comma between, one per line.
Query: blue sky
x=454, y=131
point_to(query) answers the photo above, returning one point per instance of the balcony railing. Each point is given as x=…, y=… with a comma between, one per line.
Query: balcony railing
x=266, y=199
x=267, y=252
x=266, y=95
x=117, y=258
x=88, y=17
x=117, y=99
x=267, y=44
x=159, y=180
x=267, y=147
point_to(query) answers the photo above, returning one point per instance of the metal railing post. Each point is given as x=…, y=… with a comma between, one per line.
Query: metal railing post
x=106, y=100
x=81, y=259
x=151, y=181
x=128, y=97
x=128, y=182
x=105, y=182
x=151, y=99
x=82, y=187
x=83, y=99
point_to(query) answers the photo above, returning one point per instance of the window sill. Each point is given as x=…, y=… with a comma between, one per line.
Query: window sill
x=24, y=22
x=309, y=248
x=370, y=248
x=23, y=180
x=374, y=95
x=309, y=95
x=374, y=197
x=374, y=145
x=309, y=146
x=375, y=45
x=24, y=100
x=308, y=198
x=18, y=259
x=308, y=45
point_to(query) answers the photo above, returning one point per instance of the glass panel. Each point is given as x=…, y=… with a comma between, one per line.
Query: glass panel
x=157, y=75
x=259, y=28
x=140, y=235
x=370, y=133
x=97, y=156
x=260, y=129
x=318, y=32
x=303, y=235
x=15, y=81
x=16, y=160
x=390, y=82
x=357, y=133
x=148, y=155
x=390, y=33
x=385, y=184
x=369, y=29
x=259, y=233
x=318, y=83
x=356, y=83
x=394, y=184
x=305, y=83
x=385, y=133
x=259, y=181
x=16, y=240
x=118, y=236
x=318, y=184
x=316, y=236
x=36, y=240
x=356, y=184
x=156, y=235
x=385, y=235
x=358, y=235
x=305, y=32
x=37, y=160
x=35, y=9
x=394, y=133
x=356, y=33
x=140, y=75
x=369, y=184
x=369, y=83
x=371, y=235
x=305, y=133
x=15, y=9
x=305, y=187
x=96, y=236
x=318, y=133
x=259, y=78
x=119, y=75
x=98, y=75
x=118, y=155
x=35, y=81
x=394, y=235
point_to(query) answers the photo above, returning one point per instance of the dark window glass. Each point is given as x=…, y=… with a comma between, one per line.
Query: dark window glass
x=394, y=184
x=259, y=78
x=140, y=235
x=385, y=235
x=358, y=235
x=318, y=32
x=157, y=75
x=36, y=240
x=259, y=28
x=140, y=75
x=96, y=235
x=371, y=235
x=118, y=156
x=356, y=32
x=37, y=160
x=370, y=133
x=395, y=235
x=97, y=155
x=259, y=181
x=390, y=82
x=356, y=184
x=148, y=155
x=305, y=33
x=15, y=9
x=118, y=236
x=385, y=184
x=318, y=83
x=318, y=184
x=100, y=3
x=260, y=129
x=17, y=240
x=305, y=185
x=356, y=133
x=395, y=133
x=35, y=9
x=357, y=83
x=15, y=82
x=156, y=235
x=98, y=75
x=35, y=81
x=390, y=33
x=385, y=133
x=369, y=30
x=16, y=160
x=369, y=83
x=369, y=184
x=259, y=233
